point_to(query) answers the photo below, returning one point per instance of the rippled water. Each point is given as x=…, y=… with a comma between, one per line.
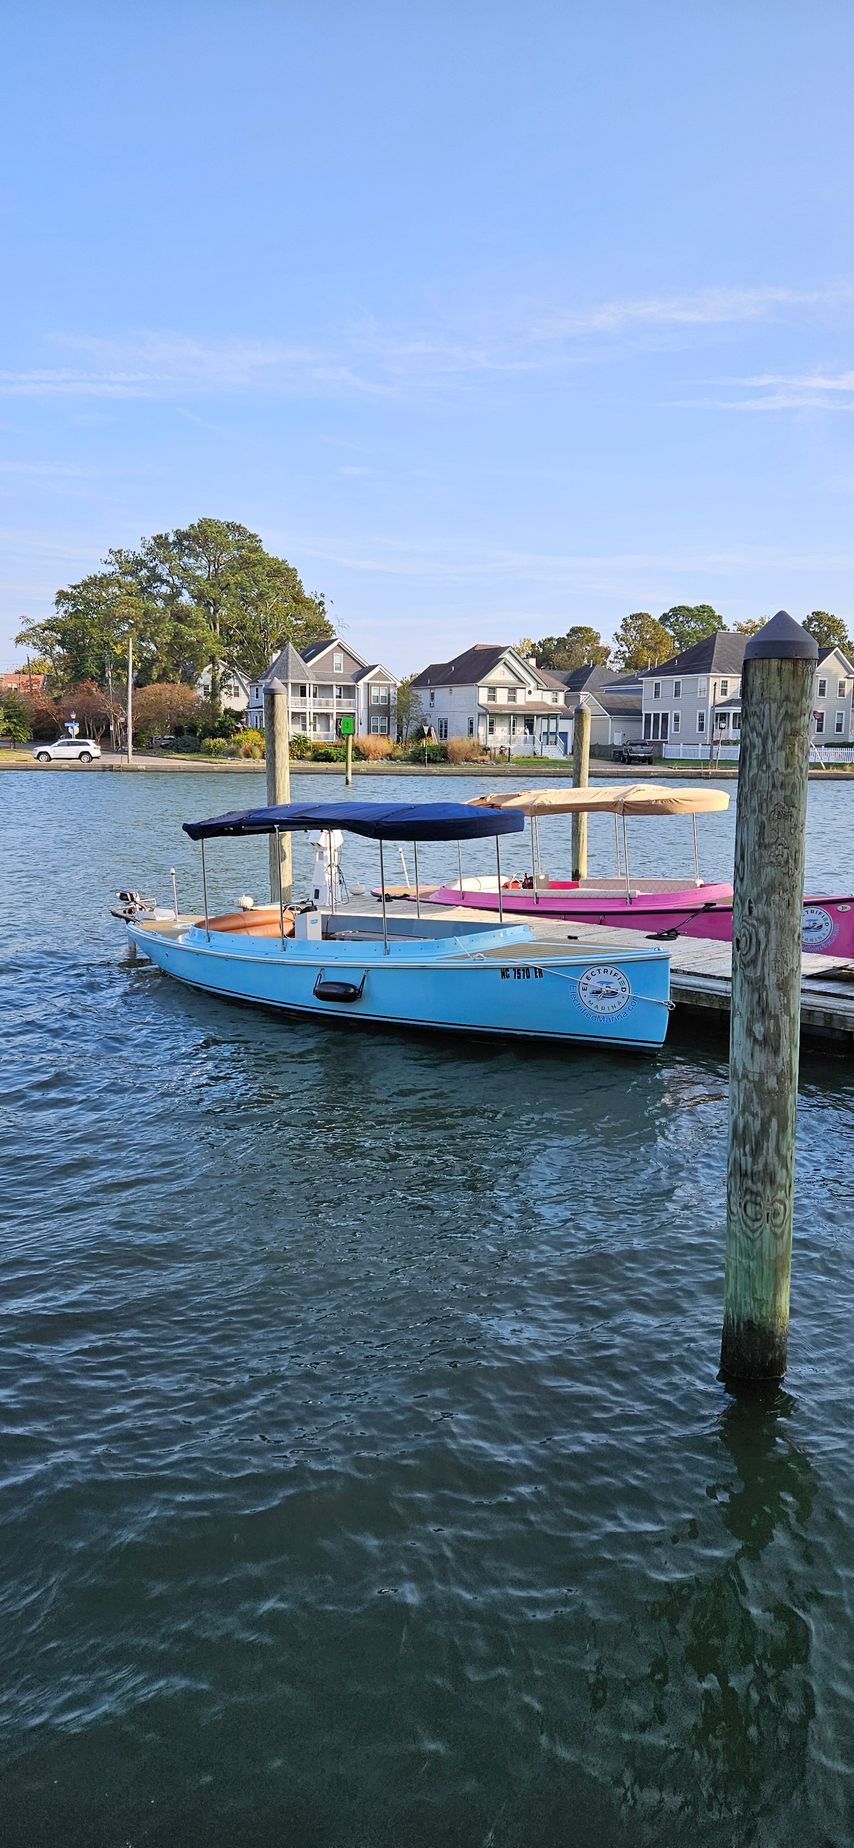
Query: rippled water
x=365, y=1476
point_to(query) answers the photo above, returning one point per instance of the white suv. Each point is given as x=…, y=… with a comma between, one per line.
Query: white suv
x=65, y=750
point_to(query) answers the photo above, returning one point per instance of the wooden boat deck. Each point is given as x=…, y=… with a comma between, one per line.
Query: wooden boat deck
x=701, y=973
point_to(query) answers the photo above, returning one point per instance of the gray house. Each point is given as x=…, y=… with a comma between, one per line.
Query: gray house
x=326, y=681
x=694, y=698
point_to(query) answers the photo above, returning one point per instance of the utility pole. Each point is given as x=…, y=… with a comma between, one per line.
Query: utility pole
x=130, y=701
x=765, y=1023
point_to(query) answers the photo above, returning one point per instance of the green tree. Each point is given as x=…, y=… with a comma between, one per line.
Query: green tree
x=14, y=719
x=410, y=712
x=752, y=626
x=203, y=593
x=829, y=631
x=641, y=642
x=581, y=646
x=687, y=623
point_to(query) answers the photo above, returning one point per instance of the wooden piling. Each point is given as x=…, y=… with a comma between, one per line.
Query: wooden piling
x=129, y=740
x=580, y=780
x=348, y=762
x=278, y=753
x=777, y=698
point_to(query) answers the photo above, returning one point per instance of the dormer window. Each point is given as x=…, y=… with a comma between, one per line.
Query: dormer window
x=337, y=664
x=555, y=698
x=492, y=693
x=511, y=696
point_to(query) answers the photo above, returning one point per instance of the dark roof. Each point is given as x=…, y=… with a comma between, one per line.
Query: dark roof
x=825, y=653
x=577, y=678
x=615, y=700
x=721, y=653
x=466, y=668
x=288, y=665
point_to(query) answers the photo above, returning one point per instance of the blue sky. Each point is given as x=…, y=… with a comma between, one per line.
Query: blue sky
x=492, y=318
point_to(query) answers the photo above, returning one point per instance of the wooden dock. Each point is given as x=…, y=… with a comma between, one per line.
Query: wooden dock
x=701, y=973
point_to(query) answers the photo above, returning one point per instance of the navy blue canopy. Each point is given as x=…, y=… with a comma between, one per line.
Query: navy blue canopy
x=380, y=821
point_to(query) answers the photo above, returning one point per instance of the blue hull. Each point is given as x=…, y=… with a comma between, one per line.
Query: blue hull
x=479, y=981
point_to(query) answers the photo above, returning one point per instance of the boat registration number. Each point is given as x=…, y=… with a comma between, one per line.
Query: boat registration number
x=521, y=974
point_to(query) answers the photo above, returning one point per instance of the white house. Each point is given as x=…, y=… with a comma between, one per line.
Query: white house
x=325, y=682
x=695, y=697
x=233, y=687
x=495, y=695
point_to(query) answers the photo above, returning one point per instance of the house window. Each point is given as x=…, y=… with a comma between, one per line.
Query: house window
x=721, y=720
x=303, y=691
x=337, y=664
x=677, y=691
x=442, y=728
x=513, y=726
x=378, y=723
x=736, y=721
x=555, y=698
x=379, y=696
x=702, y=689
x=819, y=724
x=511, y=696
x=656, y=689
x=842, y=689
x=839, y=723
x=822, y=689
x=492, y=693
x=490, y=725
x=432, y=699
x=676, y=725
x=647, y=724
x=701, y=722
x=471, y=728
x=724, y=688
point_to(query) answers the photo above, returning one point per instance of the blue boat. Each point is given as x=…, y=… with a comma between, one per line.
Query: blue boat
x=407, y=971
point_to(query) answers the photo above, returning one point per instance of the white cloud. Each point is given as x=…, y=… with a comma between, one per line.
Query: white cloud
x=369, y=357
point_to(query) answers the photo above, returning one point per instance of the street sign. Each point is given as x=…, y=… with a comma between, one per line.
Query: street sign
x=347, y=725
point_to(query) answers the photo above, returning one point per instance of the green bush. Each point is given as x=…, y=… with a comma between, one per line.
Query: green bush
x=435, y=754
x=329, y=753
x=217, y=747
x=300, y=745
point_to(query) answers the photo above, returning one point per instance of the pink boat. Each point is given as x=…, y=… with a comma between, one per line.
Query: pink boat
x=663, y=908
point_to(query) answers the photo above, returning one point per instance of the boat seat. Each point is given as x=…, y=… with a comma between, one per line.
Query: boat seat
x=262, y=923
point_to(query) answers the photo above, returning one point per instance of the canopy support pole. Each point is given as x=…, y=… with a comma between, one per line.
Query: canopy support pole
x=626, y=861
x=460, y=866
x=500, y=893
x=331, y=871
x=417, y=883
x=617, y=844
x=382, y=900
x=697, y=878
x=534, y=856
x=205, y=891
x=279, y=885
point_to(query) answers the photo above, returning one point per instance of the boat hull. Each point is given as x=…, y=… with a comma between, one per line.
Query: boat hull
x=508, y=985
x=828, y=922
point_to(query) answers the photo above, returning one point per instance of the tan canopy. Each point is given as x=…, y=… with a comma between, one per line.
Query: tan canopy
x=619, y=799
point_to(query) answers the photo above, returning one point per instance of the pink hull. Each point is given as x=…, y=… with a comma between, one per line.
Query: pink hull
x=707, y=912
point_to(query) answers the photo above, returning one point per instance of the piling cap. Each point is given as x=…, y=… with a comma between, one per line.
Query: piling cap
x=782, y=639
x=278, y=686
